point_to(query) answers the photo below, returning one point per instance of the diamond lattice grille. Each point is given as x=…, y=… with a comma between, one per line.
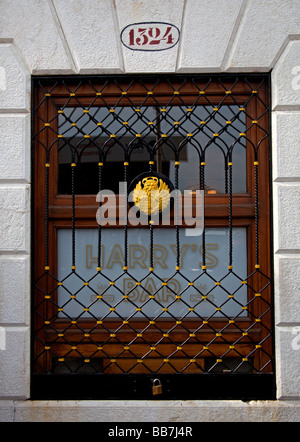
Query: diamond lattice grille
x=153, y=298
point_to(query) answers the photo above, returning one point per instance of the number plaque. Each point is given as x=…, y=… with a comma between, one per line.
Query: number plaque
x=150, y=36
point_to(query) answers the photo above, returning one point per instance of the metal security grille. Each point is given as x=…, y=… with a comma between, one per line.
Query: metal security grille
x=117, y=303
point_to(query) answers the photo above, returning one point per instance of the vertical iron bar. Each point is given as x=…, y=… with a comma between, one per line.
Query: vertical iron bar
x=226, y=176
x=99, y=218
x=151, y=262
x=202, y=187
x=47, y=166
x=126, y=164
x=230, y=210
x=256, y=212
x=73, y=165
x=176, y=213
x=158, y=137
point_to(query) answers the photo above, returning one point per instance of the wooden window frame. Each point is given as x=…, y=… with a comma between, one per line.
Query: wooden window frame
x=216, y=215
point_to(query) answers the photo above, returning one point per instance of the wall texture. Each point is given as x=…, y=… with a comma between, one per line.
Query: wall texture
x=46, y=37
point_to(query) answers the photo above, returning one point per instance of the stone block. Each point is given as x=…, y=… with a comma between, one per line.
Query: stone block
x=286, y=77
x=287, y=289
x=207, y=33
x=6, y=411
x=263, y=32
x=15, y=364
x=286, y=209
x=14, y=218
x=36, y=31
x=286, y=145
x=157, y=411
x=288, y=361
x=14, y=290
x=130, y=12
x=15, y=147
x=14, y=80
x=90, y=29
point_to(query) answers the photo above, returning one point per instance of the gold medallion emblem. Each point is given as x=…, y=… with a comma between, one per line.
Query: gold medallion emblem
x=151, y=193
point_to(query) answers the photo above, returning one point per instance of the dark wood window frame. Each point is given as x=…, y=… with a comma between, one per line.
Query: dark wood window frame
x=216, y=215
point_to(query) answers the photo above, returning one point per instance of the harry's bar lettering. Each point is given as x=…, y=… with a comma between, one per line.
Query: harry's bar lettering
x=138, y=255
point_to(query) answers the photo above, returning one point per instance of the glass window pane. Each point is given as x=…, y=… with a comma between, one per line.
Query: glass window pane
x=204, y=296
x=87, y=135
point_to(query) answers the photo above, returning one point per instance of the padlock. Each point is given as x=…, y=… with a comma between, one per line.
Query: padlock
x=156, y=387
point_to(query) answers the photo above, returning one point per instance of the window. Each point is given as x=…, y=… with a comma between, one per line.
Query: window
x=123, y=295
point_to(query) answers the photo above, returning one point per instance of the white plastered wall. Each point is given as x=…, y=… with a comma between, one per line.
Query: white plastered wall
x=46, y=37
